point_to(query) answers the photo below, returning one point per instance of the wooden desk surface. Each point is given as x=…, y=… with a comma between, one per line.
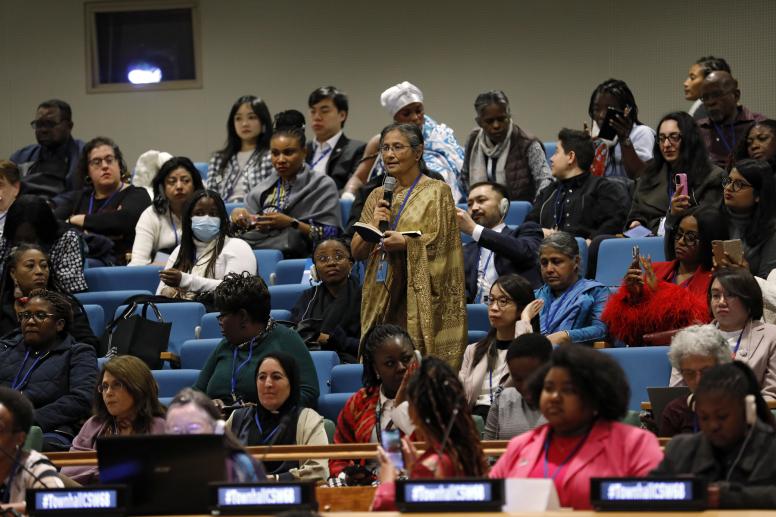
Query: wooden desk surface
x=560, y=513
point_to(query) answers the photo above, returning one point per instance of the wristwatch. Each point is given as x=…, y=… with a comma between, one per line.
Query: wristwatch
x=295, y=224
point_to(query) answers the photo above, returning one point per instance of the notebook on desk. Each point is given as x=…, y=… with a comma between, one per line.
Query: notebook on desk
x=659, y=398
x=166, y=474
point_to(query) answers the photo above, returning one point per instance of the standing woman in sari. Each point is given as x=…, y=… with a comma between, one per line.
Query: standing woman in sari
x=414, y=282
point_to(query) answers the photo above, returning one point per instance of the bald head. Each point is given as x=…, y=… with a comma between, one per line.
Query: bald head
x=720, y=95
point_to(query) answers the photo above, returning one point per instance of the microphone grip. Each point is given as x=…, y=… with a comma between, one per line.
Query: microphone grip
x=387, y=196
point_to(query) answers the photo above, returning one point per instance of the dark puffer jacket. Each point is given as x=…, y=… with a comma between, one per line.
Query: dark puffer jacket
x=61, y=386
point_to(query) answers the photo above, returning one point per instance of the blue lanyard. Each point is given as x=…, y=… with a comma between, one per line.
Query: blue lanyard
x=174, y=229
x=490, y=385
x=323, y=155
x=104, y=203
x=395, y=222
x=261, y=431
x=483, y=274
x=565, y=460
x=19, y=384
x=236, y=371
x=738, y=343
x=723, y=138
x=277, y=197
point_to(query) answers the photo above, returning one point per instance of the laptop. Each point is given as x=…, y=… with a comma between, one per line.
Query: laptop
x=166, y=474
x=661, y=397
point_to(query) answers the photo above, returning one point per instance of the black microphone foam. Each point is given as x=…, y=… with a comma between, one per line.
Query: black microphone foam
x=389, y=184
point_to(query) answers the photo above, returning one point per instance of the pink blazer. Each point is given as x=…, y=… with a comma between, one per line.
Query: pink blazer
x=612, y=449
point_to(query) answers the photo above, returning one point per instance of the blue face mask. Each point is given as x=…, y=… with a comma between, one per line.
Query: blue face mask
x=205, y=227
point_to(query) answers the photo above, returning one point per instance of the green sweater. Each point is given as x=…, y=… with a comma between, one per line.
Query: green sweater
x=215, y=379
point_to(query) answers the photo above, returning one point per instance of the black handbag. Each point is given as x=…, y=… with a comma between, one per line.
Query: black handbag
x=290, y=241
x=134, y=334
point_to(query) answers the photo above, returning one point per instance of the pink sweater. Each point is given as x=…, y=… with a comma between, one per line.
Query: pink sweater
x=612, y=449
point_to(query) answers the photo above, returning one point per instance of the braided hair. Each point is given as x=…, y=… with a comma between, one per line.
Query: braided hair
x=290, y=123
x=435, y=392
x=620, y=91
x=734, y=380
x=60, y=306
x=373, y=340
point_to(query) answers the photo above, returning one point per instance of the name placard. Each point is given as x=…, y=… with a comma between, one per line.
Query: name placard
x=247, y=498
x=449, y=495
x=648, y=494
x=93, y=500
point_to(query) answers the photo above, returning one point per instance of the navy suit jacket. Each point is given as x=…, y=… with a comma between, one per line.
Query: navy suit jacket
x=343, y=161
x=515, y=251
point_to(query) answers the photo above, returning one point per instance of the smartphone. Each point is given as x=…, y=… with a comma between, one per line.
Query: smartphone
x=392, y=446
x=607, y=132
x=734, y=248
x=680, y=180
x=636, y=252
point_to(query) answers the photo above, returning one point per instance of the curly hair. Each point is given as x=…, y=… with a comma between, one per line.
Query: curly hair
x=60, y=306
x=693, y=156
x=599, y=379
x=436, y=394
x=139, y=384
x=703, y=340
x=373, y=340
x=91, y=145
x=243, y=291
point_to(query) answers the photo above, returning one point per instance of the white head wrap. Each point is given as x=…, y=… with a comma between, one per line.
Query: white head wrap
x=396, y=97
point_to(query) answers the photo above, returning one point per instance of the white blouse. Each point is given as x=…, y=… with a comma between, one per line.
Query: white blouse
x=154, y=231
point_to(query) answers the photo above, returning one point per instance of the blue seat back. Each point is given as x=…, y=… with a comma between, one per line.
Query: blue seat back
x=172, y=381
x=195, y=352
x=518, y=210
x=615, y=255
x=280, y=314
x=121, y=278
x=582, y=243
x=184, y=317
x=330, y=405
x=477, y=316
x=324, y=361
x=285, y=296
x=346, y=378
x=267, y=261
x=231, y=206
x=549, y=149
x=475, y=336
x=202, y=168
x=644, y=367
x=108, y=300
x=96, y=317
x=345, y=206
x=289, y=271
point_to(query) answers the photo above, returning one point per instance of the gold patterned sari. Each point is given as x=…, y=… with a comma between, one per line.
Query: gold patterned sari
x=424, y=287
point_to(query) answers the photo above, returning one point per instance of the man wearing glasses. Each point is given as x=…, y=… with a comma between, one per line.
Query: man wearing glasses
x=48, y=167
x=727, y=122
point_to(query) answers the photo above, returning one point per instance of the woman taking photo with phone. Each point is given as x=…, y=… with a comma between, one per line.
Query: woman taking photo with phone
x=662, y=193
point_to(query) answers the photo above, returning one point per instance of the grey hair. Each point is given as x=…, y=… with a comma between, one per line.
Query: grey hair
x=703, y=340
x=563, y=242
x=411, y=132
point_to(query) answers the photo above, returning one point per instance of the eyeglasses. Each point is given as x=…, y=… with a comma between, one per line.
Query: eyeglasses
x=502, y=302
x=96, y=162
x=396, y=148
x=715, y=95
x=192, y=428
x=674, y=138
x=690, y=237
x=325, y=259
x=735, y=185
x=44, y=124
x=115, y=386
x=38, y=316
x=691, y=373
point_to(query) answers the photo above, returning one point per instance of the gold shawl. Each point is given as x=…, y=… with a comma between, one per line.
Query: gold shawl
x=427, y=280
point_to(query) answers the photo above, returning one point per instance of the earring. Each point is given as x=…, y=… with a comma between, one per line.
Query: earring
x=17, y=292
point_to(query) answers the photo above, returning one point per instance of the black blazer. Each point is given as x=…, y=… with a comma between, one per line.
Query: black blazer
x=343, y=160
x=515, y=251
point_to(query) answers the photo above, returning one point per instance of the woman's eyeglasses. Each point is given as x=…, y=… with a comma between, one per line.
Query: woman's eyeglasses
x=690, y=237
x=38, y=316
x=114, y=386
x=735, y=185
x=502, y=302
x=396, y=148
x=325, y=259
x=674, y=138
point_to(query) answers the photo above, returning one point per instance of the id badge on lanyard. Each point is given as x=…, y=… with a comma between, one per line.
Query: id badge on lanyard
x=382, y=269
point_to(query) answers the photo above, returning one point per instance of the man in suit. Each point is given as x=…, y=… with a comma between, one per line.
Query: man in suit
x=331, y=152
x=497, y=249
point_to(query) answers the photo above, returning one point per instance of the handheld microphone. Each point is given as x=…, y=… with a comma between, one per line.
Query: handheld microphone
x=389, y=184
x=282, y=426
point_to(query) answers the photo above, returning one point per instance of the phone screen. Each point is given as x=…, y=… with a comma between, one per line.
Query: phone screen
x=392, y=446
